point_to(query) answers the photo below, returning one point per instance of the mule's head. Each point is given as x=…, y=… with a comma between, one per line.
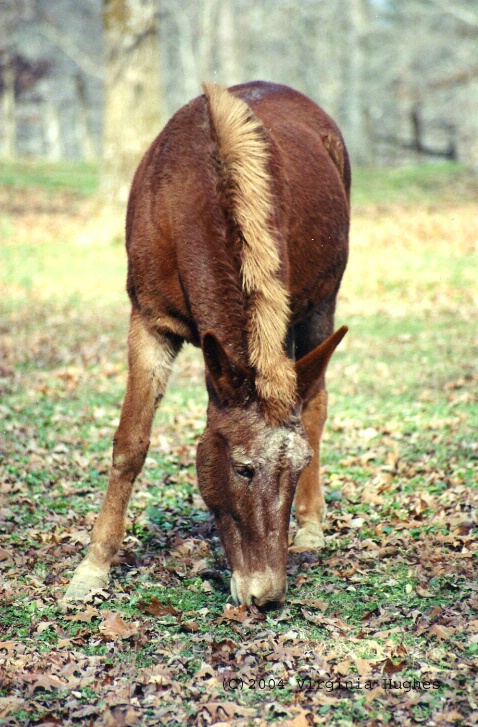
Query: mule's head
x=248, y=470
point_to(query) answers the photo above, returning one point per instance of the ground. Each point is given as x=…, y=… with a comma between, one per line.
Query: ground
x=381, y=627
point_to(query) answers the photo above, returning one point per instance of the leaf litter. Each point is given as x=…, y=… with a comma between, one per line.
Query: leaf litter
x=382, y=622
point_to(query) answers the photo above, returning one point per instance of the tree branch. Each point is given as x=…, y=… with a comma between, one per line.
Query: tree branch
x=70, y=49
x=456, y=12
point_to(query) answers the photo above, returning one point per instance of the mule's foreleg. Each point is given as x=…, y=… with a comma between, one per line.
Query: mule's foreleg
x=150, y=357
x=309, y=497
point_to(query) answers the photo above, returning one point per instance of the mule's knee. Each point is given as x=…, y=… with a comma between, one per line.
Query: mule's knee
x=128, y=458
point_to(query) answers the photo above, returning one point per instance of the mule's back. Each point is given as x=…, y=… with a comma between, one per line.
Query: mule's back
x=314, y=163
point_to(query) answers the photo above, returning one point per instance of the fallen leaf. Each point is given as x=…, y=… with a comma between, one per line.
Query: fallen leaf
x=391, y=668
x=190, y=626
x=363, y=666
x=219, y=710
x=451, y=716
x=46, y=681
x=223, y=652
x=441, y=632
x=311, y=603
x=6, y=555
x=233, y=613
x=300, y=720
x=114, y=627
x=423, y=592
x=43, y=626
x=86, y=615
x=10, y=704
x=342, y=667
x=156, y=608
x=376, y=692
x=386, y=632
x=9, y=645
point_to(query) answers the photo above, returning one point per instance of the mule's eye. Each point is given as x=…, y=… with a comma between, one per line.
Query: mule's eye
x=245, y=470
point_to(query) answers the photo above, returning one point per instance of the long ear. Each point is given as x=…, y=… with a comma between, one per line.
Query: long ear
x=311, y=368
x=229, y=379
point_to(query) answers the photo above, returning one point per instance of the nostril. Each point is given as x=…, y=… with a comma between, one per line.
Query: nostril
x=263, y=590
x=268, y=603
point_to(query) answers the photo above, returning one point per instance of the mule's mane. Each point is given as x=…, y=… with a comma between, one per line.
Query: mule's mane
x=245, y=153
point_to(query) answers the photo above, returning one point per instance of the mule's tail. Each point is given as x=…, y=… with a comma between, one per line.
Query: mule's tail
x=245, y=152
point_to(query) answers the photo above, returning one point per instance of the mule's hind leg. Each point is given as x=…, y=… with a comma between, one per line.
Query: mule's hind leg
x=150, y=358
x=309, y=497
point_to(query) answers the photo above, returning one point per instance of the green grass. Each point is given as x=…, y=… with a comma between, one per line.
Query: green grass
x=421, y=183
x=79, y=177
x=446, y=181
x=395, y=585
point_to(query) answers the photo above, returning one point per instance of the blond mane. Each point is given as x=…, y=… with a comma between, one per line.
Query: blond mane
x=245, y=153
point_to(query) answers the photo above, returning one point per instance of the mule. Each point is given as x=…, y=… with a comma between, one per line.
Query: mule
x=237, y=239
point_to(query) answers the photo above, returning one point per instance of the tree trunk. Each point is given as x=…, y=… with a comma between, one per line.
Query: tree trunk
x=357, y=138
x=228, y=64
x=52, y=134
x=85, y=131
x=132, y=92
x=8, y=112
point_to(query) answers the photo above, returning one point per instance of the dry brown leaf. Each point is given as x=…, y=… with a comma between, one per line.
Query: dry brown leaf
x=401, y=650
x=9, y=645
x=86, y=615
x=205, y=672
x=376, y=692
x=391, y=668
x=342, y=667
x=10, y=704
x=363, y=666
x=43, y=626
x=452, y=716
x=190, y=626
x=114, y=627
x=219, y=710
x=47, y=682
x=423, y=592
x=386, y=632
x=233, y=613
x=300, y=720
x=199, y=566
x=156, y=608
x=158, y=675
x=6, y=555
x=441, y=632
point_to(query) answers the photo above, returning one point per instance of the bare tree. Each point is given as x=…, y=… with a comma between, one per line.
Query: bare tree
x=132, y=91
x=8, y=111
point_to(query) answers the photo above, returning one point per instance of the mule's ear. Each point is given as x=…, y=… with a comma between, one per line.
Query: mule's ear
x=228, y=378
x=311, y=368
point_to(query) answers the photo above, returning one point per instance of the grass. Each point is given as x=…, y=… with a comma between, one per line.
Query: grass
x=393, y=594
x=424, y=184
x=79, y=177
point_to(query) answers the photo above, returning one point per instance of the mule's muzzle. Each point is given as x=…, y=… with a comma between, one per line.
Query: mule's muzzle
x=264, y=589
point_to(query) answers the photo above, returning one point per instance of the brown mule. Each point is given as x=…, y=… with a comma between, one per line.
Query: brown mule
x=237, y=239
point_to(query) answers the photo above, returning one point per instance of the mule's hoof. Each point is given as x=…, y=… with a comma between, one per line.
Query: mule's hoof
x=86, y=578
x=310, y=537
